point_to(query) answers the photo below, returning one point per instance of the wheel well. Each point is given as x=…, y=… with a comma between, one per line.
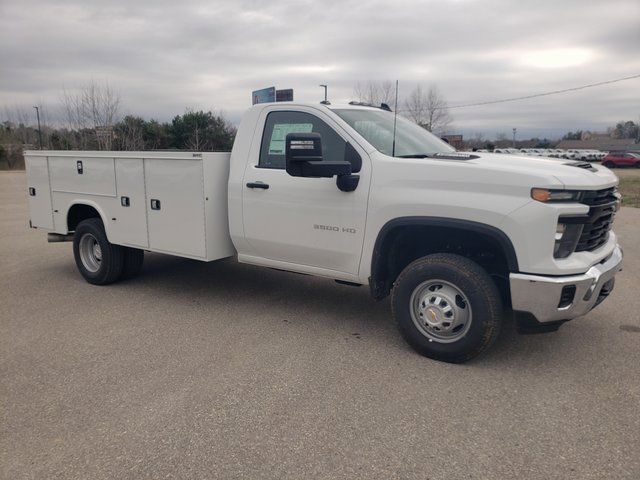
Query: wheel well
x=78, y=213
x=402, y=241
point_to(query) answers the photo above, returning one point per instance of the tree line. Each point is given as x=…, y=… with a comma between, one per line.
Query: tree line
x=623, y=129
x=90, y=119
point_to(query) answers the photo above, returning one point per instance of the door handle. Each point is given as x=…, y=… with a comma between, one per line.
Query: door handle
x=155, y=204
x=264, y=186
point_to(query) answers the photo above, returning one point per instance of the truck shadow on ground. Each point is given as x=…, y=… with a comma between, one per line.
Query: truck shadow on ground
x=310, y=299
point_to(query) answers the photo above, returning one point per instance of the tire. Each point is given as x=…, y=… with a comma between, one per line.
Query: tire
x=430, y=285
x=133, y=259
x=608, y=164
x=99, y=261
x=637, y=165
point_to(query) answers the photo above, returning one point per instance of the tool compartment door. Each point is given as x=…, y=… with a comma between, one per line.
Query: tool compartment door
x=130, y=227
x=39, y=192
x=83, y=175
x=175, y=206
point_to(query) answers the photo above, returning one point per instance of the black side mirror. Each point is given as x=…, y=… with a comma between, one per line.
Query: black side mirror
x=303, y=157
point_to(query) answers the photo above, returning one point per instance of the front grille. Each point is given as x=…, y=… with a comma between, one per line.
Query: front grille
x=596, y=228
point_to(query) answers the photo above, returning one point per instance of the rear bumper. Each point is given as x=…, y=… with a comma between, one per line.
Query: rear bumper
x=549, y=299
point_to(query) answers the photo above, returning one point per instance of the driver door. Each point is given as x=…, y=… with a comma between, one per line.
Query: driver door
x=296, y=223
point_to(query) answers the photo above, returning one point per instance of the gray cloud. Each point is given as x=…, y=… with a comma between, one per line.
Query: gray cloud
x=163, y=56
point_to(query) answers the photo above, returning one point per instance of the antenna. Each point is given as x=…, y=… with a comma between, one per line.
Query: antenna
x=395, y=119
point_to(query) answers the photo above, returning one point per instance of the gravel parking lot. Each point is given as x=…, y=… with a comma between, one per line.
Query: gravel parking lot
x=224, y=370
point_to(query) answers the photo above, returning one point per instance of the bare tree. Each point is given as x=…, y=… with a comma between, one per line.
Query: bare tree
x=18, y=118
x=130, y=133
x=93, y=107
x=476, y=141
x=375, y=93
x=428, y=109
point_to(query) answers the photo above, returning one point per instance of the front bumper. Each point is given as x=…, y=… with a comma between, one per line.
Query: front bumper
x=547, y=299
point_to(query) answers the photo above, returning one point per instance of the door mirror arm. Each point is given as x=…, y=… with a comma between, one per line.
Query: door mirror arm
x=348, y=183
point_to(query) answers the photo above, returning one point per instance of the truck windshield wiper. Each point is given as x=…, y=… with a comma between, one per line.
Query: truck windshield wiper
x=415, y=155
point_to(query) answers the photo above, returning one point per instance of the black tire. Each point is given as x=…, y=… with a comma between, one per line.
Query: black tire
x=608, y=164
x=110, y=265
x=637, y=165
x=482, y=297
x=133, y=259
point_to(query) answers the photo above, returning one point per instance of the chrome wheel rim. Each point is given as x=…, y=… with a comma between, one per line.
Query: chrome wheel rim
x=90, y=252
x=440, y=311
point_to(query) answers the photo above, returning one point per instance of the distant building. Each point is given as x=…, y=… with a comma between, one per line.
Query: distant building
x=600, y=142
x=454, y=140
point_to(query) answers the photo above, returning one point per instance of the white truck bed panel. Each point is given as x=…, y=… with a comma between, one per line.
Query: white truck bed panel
x=95, y=176
x=39, y=192
x=169, y=215
x=169, y=202
x=131, y=219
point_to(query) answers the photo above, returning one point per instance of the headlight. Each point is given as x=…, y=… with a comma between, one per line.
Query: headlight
x=546, y=195
x=567, y=236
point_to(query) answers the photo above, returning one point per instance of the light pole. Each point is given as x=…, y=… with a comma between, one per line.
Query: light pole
x=325, y=93
x=39, y=130
x=514, y=138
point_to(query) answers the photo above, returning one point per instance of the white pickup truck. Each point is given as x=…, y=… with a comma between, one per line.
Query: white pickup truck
x=345, y=193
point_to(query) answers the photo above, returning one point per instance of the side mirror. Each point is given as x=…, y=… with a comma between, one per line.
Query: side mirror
x=303, y=157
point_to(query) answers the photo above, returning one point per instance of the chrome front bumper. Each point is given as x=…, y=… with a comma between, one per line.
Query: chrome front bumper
x=541, y=295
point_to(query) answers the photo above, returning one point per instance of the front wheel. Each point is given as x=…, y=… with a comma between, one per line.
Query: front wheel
x=447, y=307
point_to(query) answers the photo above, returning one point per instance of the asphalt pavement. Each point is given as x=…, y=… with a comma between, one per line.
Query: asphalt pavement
x=223, y=370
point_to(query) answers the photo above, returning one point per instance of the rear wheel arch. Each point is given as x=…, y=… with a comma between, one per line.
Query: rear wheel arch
x=403, y=240
x=80, y=211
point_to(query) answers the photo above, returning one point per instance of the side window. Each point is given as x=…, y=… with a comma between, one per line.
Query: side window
x=279, y=124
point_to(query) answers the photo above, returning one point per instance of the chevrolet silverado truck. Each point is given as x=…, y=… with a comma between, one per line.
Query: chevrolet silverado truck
x=352, y=193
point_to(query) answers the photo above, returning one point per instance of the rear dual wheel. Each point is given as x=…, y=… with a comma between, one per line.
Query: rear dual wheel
x=99, y=261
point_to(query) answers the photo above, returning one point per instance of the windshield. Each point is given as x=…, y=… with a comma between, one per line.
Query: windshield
x=376, y=126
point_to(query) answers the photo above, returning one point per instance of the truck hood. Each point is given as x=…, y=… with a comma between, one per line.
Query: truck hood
x=570, y=176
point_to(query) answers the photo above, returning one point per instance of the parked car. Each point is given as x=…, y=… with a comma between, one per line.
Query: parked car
x=582, y=154
x=548, y=152
x=532, y=152
x=621, y=159
x=512, y=151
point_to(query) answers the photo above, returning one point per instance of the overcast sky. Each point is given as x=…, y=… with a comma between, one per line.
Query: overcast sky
x=165, y=56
